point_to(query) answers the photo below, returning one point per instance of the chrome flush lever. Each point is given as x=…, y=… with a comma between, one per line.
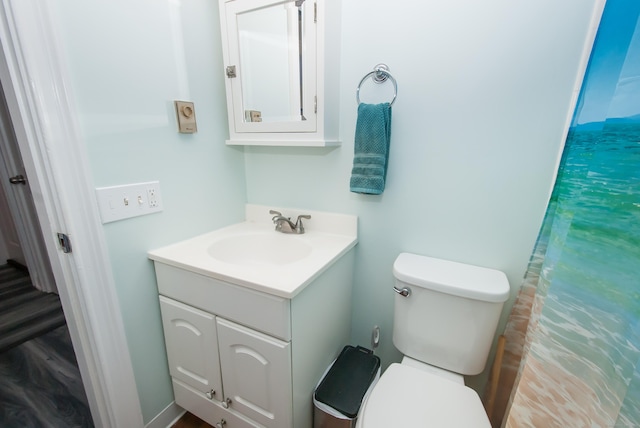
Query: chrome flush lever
x=404, y=292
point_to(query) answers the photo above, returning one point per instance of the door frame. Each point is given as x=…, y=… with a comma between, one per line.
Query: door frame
x=35, y=81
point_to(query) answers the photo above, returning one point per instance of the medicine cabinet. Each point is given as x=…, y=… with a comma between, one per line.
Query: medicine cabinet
x=281, y=71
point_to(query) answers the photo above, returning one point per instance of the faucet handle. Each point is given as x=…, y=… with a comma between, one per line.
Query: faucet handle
x=299, y=226
x=276, y=214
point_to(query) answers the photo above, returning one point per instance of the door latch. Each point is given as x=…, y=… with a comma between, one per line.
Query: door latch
x=65, y=242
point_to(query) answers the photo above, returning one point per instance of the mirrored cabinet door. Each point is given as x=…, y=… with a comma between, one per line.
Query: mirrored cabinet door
x=281, y=62
x=271, y=65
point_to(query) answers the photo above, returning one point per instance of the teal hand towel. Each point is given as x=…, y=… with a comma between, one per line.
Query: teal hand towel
x=371, y=149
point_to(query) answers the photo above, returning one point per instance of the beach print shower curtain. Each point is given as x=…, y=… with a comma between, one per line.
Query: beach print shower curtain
x=572, y=357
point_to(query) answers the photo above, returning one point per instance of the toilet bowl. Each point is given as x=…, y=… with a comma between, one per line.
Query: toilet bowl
x=408, y=397
x=445, y=318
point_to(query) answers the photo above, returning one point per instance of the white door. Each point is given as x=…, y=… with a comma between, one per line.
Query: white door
x=256, y=372
x=9, y=243
x=24, y=241
x=191, y=342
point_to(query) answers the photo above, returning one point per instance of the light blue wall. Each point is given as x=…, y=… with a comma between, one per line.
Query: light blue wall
x=484, y=92
x=485, y=89
x=128, y=61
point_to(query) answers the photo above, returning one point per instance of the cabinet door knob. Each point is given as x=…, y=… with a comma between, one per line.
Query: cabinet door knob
x=221, y=424
x=210, y=394
x=226, y=403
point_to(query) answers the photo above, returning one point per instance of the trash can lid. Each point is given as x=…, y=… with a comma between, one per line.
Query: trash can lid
x=345, y=384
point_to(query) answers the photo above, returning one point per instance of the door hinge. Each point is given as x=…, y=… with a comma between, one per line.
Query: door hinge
x=315, y=12
x=65, y=242
x=18, y=179
x=231, y=71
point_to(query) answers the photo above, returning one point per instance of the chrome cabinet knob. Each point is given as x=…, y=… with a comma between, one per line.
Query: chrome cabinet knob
x=226, y=403
x=221, y=424
x=210, y=394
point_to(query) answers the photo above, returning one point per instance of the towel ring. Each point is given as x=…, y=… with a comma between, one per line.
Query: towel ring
x=379, y=75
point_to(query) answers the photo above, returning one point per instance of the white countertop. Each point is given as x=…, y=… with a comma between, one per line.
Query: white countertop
x=327, y=235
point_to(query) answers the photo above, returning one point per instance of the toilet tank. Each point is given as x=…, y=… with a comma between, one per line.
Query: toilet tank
x=450, y=317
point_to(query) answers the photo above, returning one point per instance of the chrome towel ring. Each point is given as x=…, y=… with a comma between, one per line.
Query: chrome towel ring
x=380, y=74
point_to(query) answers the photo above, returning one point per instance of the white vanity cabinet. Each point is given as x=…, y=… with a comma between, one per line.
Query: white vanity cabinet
x=239, y=357
x=256, y=368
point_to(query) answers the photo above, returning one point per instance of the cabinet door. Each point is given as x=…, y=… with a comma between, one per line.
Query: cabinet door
x=256, y=371
x=272, y=46
x=191, y=340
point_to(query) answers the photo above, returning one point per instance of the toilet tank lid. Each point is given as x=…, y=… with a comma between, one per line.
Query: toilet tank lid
x=453, y=278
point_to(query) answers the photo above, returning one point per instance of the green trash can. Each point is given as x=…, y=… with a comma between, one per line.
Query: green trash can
x=345, y=384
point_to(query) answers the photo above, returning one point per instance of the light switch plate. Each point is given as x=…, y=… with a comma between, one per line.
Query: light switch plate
x=186, y=115
x=129, y=200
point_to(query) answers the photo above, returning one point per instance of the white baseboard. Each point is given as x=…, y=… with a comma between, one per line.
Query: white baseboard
x=167, y=417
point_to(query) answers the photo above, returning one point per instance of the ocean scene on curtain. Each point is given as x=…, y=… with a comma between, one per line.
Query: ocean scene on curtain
x=573, y=338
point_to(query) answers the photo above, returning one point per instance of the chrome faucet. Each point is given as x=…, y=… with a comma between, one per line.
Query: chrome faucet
x=285, y=225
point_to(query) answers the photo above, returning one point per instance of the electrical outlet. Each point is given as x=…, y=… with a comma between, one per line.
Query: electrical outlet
x=129, y=200
x=152, y=197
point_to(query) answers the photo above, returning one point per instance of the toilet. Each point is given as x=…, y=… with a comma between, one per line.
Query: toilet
x=445, y=318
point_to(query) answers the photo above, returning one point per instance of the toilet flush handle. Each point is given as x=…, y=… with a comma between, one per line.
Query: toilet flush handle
x=404, y=292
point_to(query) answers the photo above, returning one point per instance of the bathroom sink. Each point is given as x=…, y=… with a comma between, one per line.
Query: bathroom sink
x=254, y=255
x=272, y=249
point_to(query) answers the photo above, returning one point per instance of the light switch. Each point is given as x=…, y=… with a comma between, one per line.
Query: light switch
x=186, y=117
x=129, y=200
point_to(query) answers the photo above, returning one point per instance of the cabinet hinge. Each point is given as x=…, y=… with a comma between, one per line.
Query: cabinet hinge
x=315, y=12
x=231, y=71
x=65, y=242
x=315, y=104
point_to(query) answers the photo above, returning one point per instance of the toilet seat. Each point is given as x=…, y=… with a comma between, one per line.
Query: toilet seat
x=408, y=397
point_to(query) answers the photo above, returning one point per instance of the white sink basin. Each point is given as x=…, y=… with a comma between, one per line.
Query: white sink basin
x=272, y=249
x=252, y=254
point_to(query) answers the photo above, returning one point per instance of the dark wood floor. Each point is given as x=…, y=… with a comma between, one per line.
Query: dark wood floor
x=40, y=385
x=25, y=312
x=191, y=421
